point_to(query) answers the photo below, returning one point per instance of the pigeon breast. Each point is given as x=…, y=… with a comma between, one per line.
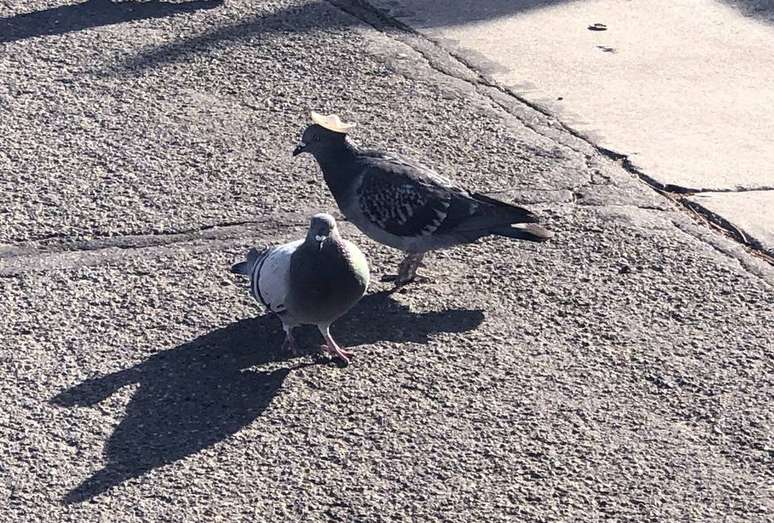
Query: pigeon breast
x=326, y=282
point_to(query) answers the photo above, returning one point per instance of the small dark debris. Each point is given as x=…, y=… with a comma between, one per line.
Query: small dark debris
x=606, y=49
x=597, y=27
x=661, y=382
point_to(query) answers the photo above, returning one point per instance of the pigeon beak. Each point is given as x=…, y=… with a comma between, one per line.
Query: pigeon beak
x=320, y=239
x=299, y=149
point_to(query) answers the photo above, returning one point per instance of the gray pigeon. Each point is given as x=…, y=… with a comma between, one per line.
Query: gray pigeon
x=403, y=204
x=309, y=282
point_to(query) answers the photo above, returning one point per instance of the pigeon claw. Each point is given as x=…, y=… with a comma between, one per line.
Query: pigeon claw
x=399, y=282
x=407, y=271
x=338, y=353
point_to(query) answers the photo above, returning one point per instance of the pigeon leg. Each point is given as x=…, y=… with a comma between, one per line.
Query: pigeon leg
x=332, y=347
x=289, y=344
x=408, y=268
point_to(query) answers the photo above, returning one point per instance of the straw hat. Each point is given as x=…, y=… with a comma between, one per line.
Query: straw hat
x=332, y=122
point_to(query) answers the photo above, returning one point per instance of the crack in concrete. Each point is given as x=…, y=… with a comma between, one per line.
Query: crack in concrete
x=126, y=241
x=64, y=260
x=45, y=255
x=671, y=188
x=721, y=224
x=734, y=190
x=581, y=203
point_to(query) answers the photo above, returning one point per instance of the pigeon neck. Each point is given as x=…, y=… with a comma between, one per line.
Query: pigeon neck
x=335, y=163
x=320, y=250
x=333, y=237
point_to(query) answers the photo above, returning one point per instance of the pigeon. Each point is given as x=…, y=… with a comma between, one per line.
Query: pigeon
x=313, y=281
x=404, y=204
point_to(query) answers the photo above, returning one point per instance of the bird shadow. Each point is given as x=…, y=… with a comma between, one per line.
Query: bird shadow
x=201, y=392
x=92, y=13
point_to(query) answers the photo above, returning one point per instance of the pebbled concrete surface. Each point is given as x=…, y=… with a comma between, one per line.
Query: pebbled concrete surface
x=622, y=371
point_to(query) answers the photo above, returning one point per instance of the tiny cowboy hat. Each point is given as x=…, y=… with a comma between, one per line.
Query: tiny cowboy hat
x=332, y=122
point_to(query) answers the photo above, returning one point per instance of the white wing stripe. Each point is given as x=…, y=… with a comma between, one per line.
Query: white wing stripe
x=271, y=277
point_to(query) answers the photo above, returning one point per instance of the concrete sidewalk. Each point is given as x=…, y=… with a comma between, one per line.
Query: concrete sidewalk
x=621, y=371
x=681, y=89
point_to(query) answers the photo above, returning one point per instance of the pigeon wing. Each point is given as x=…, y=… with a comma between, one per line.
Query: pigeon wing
x=407, y=199
x=269, y=280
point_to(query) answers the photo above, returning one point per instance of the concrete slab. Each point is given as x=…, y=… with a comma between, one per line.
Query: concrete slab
x=681, y=86
x=752, y=212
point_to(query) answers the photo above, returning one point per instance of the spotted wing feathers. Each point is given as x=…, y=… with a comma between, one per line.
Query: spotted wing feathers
x=407, y=199
x=402, y=209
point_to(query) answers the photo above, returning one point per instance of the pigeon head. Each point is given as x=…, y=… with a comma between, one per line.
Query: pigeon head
x=321, y=228
x=317, y=139
x=326, y=133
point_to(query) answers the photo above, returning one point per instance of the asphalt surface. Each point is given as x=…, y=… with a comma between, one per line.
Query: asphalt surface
x=622, y=371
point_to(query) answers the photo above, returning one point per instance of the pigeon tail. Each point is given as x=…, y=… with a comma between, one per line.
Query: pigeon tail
x=516, y=214
x=530, y=232
x=241, y=268
x=246, y=267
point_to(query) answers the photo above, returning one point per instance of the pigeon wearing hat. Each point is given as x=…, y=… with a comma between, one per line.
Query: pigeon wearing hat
x=404, y=204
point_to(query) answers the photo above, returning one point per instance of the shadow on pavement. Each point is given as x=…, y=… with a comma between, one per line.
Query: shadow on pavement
x=92, y=13
x=306, y=17
x=199, y=393
x=317, y=15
